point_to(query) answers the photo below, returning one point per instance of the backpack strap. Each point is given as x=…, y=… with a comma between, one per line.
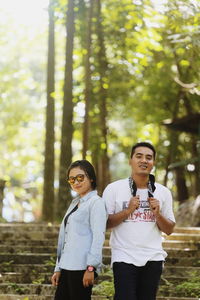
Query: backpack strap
x=150, y=186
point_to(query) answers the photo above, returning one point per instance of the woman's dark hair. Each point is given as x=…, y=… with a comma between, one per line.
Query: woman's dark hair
x=87, y=167
x=143, y=144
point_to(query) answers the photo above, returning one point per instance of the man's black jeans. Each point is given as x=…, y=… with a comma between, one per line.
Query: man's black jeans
x=136, y=283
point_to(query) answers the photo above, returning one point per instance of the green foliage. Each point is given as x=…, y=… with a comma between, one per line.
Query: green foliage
x=105, y=287
x=152, y=74
x=18, y=289
x=6, y=265
x=191, y=287
x=39, y=280
x=50, y=262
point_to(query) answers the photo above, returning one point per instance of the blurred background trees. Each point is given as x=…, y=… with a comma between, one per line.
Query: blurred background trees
x=124, y=71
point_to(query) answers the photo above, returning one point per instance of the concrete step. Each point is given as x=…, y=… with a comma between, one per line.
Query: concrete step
x=29, y=226
x=174, y=244
x=195, y=230
x=10, y=266
x=27, y=249
x=171, y=252
x=33, y=258
x=183, y=261
x=27, y=242
x=36, y=247
x=42, y=258
x=180, y=271
x=30, y=249
x=106, y=260
x=54, y=228
x=169, y=292
x=32, y=289
x=33, y=277
x=183, y=237
x=37, y=297
x=28, y=235
x=24, y=297
x=170, y=261
x=171, y=244
x=25, y=277
x=172, y=279
x=29, y=274
x=175, y=298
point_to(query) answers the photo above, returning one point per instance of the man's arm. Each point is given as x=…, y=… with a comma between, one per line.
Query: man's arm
x=164, y=224
x=118, y=218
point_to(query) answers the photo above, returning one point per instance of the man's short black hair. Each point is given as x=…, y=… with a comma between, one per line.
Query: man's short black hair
x=143, y=144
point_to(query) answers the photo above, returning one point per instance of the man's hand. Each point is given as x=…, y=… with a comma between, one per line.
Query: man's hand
x=55, y=278
x=121, y=216
x=154, y=206
x=134, y=204
x=88, y=278
x=164, y=224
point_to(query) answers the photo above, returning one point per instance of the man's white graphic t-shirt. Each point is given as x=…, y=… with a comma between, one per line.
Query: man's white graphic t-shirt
x=137, y=239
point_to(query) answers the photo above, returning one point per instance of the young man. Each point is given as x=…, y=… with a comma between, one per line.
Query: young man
x=139, y=210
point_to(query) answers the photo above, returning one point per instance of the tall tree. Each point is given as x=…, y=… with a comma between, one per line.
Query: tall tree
x=103, y=159
x=64, y=195
x=87, y=91
x=48, y=189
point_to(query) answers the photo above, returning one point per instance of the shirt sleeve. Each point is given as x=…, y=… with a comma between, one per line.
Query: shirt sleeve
x=57, y=268
x=109, y=198
x=60, y=244
x=98, y=220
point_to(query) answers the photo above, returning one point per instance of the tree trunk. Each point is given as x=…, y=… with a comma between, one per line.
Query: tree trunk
x=87, y=91
x=64, y=195
x=48, y=188
x=171, y=157
x=103, y=160
x=2, y=186
x=195, y=153
x=182, y=191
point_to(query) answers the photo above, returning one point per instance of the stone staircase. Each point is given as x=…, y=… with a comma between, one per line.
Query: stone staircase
x=28, y=251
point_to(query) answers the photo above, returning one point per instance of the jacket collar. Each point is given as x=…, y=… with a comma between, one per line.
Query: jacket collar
x=85, y=198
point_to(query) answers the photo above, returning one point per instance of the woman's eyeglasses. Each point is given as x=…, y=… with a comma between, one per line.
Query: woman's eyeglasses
x=79, y=178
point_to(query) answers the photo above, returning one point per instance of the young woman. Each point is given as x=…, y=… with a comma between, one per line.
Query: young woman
x=81, y=236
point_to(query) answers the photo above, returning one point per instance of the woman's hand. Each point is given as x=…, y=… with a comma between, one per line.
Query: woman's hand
x=55, y=278
x=88, y=278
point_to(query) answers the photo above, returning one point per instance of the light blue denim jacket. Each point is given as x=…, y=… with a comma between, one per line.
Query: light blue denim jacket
x=80, y=243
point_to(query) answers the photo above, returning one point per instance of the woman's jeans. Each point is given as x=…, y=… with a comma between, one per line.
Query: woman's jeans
x=136, y=283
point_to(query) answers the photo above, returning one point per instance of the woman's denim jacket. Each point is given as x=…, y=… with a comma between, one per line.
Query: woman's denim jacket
x=80, y=243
